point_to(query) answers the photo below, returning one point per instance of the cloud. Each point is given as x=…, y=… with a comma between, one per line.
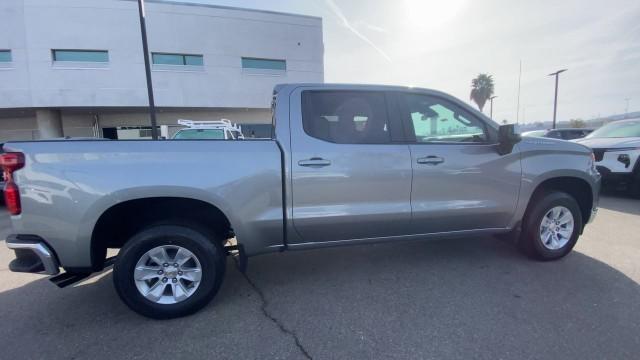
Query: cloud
x=347, y=24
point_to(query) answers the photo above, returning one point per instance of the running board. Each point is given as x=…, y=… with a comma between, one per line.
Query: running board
x=65, y=279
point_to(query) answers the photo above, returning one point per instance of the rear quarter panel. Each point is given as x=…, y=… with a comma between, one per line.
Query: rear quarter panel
x=66, y=186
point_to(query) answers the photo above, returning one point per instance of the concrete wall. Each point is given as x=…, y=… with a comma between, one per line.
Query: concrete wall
x=80, y=124
x=32, y=28
x=19, y=128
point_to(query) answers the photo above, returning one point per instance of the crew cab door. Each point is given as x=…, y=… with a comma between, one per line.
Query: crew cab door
x=460, y=182
x=350, y=180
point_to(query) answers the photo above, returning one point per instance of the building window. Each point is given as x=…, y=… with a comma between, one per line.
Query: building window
x=5, y=56
x=177, y=59
x=264, y=64
x=93, y=56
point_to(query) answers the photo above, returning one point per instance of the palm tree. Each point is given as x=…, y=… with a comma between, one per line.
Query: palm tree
x=481, y=89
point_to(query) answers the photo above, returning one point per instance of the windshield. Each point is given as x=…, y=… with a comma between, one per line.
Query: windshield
x=618, y=129
x=200, y=134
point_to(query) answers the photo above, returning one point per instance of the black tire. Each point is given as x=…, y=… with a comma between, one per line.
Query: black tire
x=203, y=244
x=530, y=242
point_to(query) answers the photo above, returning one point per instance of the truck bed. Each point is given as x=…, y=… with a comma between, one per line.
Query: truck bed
x=67, y=184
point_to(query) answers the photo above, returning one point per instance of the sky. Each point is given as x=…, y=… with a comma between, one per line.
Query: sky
x=443, y=44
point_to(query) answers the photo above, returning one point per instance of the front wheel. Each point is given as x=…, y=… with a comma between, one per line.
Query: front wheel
x=552, y=226
x=168, y=271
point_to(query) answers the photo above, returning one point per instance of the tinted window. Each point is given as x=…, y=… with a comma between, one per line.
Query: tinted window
x=267, y=64
x=5, y=55
x=200, y=134
x=81, y=55
x=554, y=134
x=177, y=59
x=346, y=117
x=435, y=120
x=573, y=134
x=196, y=60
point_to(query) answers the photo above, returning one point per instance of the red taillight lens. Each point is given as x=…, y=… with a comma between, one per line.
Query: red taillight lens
x=12, y=198
x=11, y=162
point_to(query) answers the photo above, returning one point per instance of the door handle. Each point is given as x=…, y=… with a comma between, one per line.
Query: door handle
x=315, y=162
x=430, y=160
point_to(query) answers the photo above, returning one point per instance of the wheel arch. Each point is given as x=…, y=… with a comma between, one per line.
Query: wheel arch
x=577, y=187
x=118, y=222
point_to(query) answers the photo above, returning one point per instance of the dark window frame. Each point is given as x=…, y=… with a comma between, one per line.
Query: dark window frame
x=409, y=131
x=395, y=128
x=182, y=56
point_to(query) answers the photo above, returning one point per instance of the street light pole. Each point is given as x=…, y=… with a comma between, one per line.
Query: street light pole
x=147, y=68
x=491, y=104
x=555, y=100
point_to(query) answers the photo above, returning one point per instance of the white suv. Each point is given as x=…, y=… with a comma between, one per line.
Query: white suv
x=616, y=147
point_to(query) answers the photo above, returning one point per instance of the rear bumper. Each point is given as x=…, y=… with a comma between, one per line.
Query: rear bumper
x=33, y=255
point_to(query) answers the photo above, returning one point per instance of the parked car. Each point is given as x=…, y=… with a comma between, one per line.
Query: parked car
x=564, y=134
x=348, y=164
x=616, y=147
x=209, y=130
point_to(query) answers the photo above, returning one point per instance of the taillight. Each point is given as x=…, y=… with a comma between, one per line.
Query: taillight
x=11, y=162
x=12, y=198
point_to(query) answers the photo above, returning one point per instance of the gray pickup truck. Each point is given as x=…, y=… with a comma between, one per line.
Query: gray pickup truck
x=346, y=164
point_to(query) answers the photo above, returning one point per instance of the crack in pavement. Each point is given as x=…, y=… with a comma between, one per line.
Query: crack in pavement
x=273, y=319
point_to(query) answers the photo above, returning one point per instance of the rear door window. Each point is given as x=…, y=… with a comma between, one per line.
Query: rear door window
x=346, y=117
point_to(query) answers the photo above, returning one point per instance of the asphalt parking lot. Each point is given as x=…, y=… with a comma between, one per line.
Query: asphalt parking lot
x=467, y=298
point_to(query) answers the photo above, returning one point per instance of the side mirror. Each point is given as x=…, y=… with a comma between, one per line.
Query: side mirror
x=507, y=138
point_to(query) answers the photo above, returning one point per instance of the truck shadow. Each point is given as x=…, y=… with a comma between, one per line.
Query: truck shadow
x=620, y=202
x=467, y=296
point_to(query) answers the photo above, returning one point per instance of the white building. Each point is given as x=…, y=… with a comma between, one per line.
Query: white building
x=75, y=67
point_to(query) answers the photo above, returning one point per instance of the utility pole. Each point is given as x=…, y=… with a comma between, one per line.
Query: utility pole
x=518, y=105
x=626, y=108
x=555, y=101
x=491, y=104
x=147, y=68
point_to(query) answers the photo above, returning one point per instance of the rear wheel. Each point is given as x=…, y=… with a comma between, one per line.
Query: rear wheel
x=168, y=271
x=552, y=226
